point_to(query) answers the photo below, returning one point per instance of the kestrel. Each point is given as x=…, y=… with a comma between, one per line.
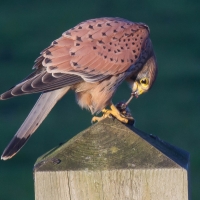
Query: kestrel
x=93, y=59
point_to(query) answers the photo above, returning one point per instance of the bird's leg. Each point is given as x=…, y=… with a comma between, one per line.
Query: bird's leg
x=120, y=111
x=105, y=114
x=113, y=111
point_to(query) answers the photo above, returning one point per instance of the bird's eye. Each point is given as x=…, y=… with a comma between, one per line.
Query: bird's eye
x=144, y=81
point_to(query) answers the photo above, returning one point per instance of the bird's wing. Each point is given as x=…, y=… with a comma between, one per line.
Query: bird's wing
x=97, y=48
x=39, y=112
x=41, y=81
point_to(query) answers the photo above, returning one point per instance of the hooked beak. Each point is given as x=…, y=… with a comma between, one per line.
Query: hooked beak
x=135, y=90
x=138, y=89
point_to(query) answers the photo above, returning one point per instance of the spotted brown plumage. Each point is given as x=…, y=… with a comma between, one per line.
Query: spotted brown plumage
x=93, y=59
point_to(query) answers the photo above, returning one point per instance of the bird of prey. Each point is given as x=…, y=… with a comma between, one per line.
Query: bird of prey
x=93, y=59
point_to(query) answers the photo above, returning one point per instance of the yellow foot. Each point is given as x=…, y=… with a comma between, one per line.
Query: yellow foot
x=98, y=119
x=115, y=113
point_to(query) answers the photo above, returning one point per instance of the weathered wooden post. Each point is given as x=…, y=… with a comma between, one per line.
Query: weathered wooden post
x=112, y=161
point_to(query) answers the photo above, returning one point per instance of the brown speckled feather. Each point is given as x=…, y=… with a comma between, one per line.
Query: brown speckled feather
x=94, y=44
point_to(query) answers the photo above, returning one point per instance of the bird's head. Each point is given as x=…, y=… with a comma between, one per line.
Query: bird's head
x=144, y=79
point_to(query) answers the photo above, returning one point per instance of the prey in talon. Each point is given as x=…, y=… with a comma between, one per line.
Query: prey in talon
x=124, y=109
x=125, y=112
x=92, y=59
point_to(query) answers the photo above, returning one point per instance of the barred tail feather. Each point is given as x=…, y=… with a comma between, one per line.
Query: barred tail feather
x=39, y=112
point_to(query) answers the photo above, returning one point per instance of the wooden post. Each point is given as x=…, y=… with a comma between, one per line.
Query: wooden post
x=112, y=161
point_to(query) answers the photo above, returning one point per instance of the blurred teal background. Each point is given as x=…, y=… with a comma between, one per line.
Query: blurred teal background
x=171, y=110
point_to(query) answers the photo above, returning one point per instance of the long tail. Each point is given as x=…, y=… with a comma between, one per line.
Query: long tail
x=38, y=113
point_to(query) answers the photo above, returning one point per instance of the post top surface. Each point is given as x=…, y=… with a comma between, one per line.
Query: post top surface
x=109, y=145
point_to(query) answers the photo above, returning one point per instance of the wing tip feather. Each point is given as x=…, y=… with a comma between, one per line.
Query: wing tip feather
x=6, y=95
